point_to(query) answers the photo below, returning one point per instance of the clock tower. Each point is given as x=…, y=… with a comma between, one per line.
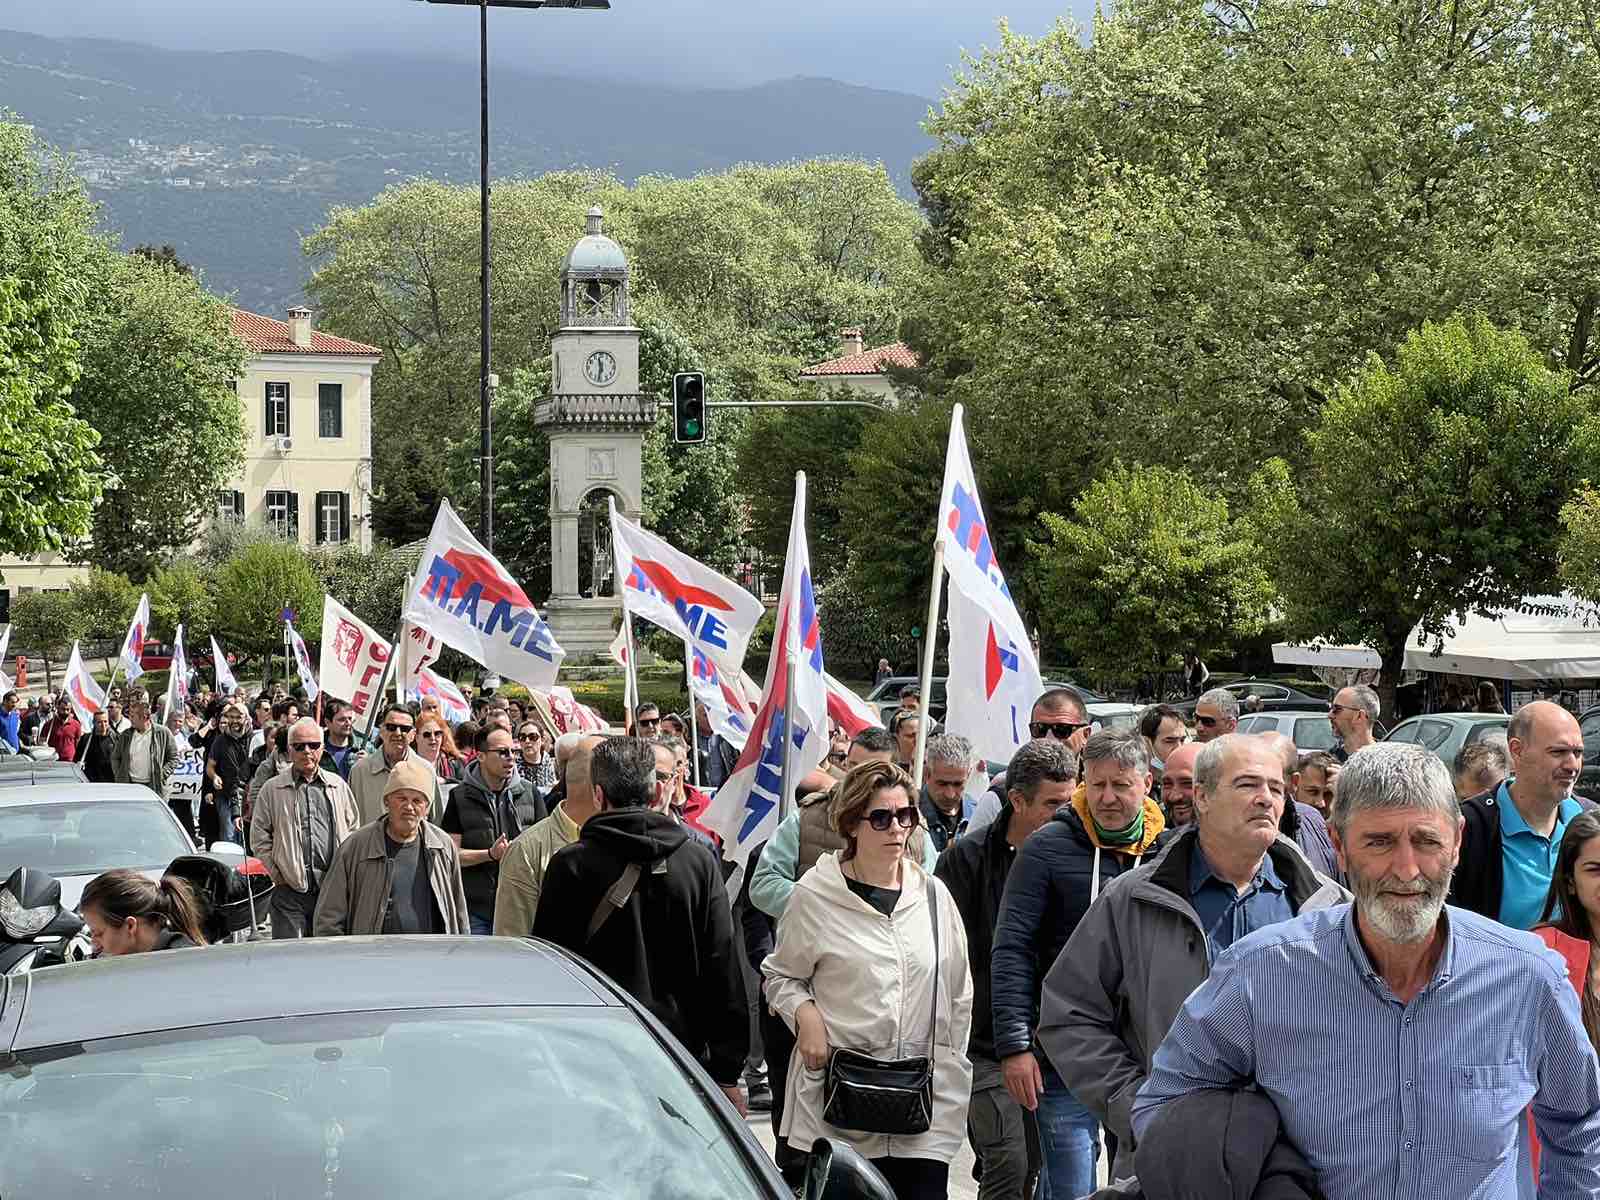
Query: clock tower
x=596, y=419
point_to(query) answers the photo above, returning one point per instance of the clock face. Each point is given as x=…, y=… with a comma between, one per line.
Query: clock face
x=600, y=368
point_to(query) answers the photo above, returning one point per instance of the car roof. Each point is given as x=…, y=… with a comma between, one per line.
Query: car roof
x=21, y=771
x=249, y=981
x=1480, y=718
x=70, y=791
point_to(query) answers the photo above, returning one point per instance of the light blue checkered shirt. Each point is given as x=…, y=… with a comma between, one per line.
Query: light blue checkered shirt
x=1420, y=1101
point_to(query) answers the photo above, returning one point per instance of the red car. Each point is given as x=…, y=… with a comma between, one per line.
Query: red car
x=157, y=656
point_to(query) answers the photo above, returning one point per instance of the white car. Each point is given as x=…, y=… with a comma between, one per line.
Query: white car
x=1114, y=717
x=74, y=831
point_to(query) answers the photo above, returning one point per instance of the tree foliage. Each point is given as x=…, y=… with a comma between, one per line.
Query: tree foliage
x=50, y=476
x=1429, y=489
x=48, y=622
x=105, y=601
x=158, y=359
x=251, y=591
x=1148, y=567
x=371, y=585
x=182, y=594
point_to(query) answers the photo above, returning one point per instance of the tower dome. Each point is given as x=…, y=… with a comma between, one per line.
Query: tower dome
x=595, y=251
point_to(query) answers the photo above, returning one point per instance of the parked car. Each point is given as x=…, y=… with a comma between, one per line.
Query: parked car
x=1272, y=697
x=1307, y=730
x=330, y=1062
x=1589, y=779
x=75, y=830
x=20, y=770
x=1446, y=733
x=885, y=696
x=1114, y=716
x=157, y=656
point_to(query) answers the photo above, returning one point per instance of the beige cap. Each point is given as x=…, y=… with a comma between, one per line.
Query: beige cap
x=410, y=774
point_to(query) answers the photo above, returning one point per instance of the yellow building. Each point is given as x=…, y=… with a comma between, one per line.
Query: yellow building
x=307, y=400
x=861, y=370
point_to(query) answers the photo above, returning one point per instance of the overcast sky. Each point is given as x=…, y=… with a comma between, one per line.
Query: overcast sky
x=906, y=45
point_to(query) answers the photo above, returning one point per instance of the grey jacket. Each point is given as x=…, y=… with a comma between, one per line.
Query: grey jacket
x=1133, y=960
x=355, y=895
x=163, y=757
x=275, y=828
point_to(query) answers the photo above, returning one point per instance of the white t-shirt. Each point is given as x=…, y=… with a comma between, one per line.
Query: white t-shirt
x=139, y=755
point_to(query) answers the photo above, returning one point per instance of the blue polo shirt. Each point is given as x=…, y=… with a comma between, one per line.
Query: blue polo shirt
x=1529, y=860
x=1227, y=914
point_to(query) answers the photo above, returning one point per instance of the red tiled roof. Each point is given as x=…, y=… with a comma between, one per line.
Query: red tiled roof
x=267, y=335
x=868, y=362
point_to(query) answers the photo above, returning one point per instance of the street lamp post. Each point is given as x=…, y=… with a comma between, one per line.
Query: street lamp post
x=485, y=389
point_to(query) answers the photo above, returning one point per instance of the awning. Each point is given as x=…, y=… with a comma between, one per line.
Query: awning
x=1545, y=637
x=1324, y=654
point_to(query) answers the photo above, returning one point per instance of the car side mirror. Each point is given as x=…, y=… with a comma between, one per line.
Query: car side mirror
x=837, y=1171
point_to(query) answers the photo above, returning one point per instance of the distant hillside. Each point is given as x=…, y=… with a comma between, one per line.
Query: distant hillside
x=231, y=157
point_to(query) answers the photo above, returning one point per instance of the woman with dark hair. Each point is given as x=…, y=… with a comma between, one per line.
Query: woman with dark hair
x=129, y=914
x=871, y=957
x=1489, y=698
x=1572, y=913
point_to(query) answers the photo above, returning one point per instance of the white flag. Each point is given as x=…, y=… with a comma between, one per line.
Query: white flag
x=6, y=682
x=302, y=662
x=744, y=812
x=729, y=713
x=82, y=690
x=226, y=683
x=178, y=675
x=418, y=649
x=133, y=645
x=466, y=598
x=353, y=658
x=710, y=612
x=453, y=706
x=619, y=655
x=994, y=675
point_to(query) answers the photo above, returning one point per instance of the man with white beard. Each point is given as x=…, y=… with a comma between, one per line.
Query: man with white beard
x=1400, y=1040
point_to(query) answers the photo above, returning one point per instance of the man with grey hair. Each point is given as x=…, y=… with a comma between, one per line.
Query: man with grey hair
x=1477, y=1022
x=1106, y=829
x=946, y=766
x=1040, y=779
x=1354, y=713
x=1216, y=714
x=1152, y=939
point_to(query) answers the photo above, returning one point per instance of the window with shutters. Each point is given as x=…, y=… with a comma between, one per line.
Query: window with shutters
x=230, y=506
x=333, y=517
x=330, y=410
x=283, y=514
x=275, y=421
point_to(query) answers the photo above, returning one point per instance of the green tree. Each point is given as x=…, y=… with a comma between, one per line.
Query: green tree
x=1168, y=241
x=48, y=622
x=251, y=591
x=159, y=359
x=166, y=255
x=182, y=594
x=372, y=584
x=1148, y=566
x=50, y=476
x=1430, y=489
x=105, y=601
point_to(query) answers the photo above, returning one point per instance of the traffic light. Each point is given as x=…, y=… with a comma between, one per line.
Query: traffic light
x=689, y=406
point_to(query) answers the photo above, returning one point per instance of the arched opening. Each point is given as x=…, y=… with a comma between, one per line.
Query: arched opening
x=596, y=563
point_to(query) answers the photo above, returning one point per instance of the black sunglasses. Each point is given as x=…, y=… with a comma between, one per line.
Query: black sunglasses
x=305, y=746
x=1205, y=722
x=1062, y=729
x=391, y=727
x=643, y=721
x=881, y=818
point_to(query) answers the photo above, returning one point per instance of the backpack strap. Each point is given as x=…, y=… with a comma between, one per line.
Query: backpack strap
x=616, y=896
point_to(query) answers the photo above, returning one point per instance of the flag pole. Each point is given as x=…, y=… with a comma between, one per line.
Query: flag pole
x=931, y=640
x=785, y=801
x=694, y=725
x=630, y=688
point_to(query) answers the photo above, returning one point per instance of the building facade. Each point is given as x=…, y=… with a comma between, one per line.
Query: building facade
x=861, y=370
x=307, y=399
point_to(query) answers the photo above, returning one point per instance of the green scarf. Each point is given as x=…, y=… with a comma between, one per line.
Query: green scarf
x=1129, y=835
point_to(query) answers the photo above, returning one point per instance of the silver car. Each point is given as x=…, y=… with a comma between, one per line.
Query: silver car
x=75, y=831
x=1307, y=730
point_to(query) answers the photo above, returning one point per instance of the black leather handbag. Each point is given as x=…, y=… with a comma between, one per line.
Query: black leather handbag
x=874, y=1095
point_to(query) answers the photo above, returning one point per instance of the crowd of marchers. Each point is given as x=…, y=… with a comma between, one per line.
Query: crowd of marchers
x=1193, y=962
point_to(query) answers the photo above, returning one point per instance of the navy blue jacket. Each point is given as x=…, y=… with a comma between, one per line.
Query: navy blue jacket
x=1046, y=895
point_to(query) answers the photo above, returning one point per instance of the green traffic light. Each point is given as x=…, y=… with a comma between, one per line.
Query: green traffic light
x=691, y=428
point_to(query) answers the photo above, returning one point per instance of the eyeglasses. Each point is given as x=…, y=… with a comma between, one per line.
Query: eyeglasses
x=666, y=776
x=303, y=746
x=649, y=722
x=430, y=734
x=502, y=751
x=1061, y=729
x=533, y=737
x=1205, y=722
x=836, y=756
x=1336, y=708
x=881, y=818
x=391, y=727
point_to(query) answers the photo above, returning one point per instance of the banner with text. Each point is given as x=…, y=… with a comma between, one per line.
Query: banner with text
x=353, y=658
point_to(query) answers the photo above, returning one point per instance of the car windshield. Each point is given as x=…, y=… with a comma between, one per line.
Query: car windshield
x=1313, y=733
x=502, y=1104
x=88, y=837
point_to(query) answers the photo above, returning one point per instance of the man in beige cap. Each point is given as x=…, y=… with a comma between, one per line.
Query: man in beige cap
x=300, y=817
x=400, y=874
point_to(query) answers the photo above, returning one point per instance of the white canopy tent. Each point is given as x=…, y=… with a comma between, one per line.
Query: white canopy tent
x=1545, y=637
x=1323, y=654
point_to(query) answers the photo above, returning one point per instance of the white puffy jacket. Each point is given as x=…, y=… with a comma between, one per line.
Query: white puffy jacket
x=871, y=977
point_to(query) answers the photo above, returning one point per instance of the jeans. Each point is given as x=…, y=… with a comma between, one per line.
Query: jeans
x=1070, y=1138
x=227, y=819
x=480, y=926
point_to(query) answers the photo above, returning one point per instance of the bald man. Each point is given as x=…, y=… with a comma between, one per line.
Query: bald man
x=1177, y=784
x=1300, y=823
x=1513, y=832
x=522, y=868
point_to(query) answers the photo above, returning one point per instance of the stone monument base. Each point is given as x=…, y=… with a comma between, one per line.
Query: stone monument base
x=584, y=627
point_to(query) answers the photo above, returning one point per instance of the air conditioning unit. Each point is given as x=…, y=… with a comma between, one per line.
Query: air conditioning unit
x=283, y=443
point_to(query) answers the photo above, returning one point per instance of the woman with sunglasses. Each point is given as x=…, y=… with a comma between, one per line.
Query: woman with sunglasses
x=534, y=758
x=437, y=747
x=857, y=965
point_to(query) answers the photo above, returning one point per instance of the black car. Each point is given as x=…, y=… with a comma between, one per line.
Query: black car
x=1263, y=695
x=426, y=1067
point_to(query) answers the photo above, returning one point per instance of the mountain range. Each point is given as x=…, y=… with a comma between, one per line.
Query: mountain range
x=231, y=157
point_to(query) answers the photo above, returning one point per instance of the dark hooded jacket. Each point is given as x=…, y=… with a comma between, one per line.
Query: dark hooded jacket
x=479, y=816
x=671, y=945
x=232, y=756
